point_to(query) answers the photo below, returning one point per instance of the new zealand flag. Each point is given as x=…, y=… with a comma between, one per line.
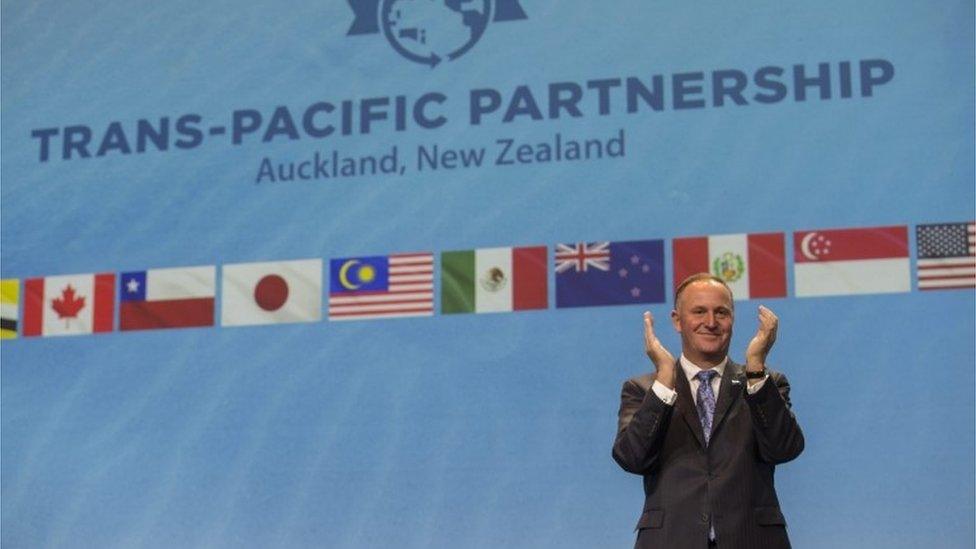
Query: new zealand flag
x=609, y=273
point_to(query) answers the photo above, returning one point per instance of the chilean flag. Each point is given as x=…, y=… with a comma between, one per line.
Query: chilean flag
x=167, y=298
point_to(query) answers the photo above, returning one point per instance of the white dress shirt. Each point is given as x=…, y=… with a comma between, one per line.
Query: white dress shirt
x=691, y=370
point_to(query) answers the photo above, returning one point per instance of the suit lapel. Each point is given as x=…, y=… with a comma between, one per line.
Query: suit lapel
x=686, y=405
x=729, y=390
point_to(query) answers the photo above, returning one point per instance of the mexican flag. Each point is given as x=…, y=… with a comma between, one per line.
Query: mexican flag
x=494, y=280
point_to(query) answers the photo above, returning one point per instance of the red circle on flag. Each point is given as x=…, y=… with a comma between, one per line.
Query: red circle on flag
x=271, y=292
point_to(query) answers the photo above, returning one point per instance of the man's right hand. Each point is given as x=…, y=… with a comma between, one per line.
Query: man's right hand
x=663, y=360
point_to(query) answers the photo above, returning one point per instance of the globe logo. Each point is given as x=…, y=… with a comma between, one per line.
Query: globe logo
x=430, y=31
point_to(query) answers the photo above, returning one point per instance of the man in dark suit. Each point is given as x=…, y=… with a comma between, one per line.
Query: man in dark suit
x=706, y=433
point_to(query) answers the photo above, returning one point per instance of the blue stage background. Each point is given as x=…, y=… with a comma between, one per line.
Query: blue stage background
x=469, y=430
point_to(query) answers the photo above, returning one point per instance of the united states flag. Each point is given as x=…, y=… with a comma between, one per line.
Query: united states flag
x=946, y=255
x=396, y=285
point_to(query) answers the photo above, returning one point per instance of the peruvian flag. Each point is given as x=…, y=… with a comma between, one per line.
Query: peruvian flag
x=69, y=304
x=851, y=261
x=753, y=265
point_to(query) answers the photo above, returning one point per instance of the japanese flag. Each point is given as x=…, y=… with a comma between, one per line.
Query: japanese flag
x=272, y=292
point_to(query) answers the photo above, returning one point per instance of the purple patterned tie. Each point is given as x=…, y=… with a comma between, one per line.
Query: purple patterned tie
x=706, y=401
x=706, y=413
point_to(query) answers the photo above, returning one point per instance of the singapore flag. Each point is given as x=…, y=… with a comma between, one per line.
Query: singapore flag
x=851, y=261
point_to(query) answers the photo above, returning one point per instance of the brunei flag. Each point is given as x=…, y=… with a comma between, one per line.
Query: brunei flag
x=9, y=300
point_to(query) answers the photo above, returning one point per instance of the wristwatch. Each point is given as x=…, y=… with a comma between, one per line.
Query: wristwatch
x=756, y=375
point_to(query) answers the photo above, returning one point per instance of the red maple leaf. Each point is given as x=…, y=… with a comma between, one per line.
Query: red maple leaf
x=67, y=306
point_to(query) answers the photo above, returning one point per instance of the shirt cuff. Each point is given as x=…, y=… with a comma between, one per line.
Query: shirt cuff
x=668, y=396
x=755, y=387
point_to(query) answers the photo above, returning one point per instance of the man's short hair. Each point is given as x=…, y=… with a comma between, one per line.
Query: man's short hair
x=699, y=277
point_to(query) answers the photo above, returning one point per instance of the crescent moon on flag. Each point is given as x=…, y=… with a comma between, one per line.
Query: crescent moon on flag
x=805, y=246
x=344, y=274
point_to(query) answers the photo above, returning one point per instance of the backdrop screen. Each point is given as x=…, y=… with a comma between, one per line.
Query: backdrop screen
x=371, y=273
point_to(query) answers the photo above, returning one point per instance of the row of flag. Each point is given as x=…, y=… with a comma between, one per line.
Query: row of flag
x=826, y=262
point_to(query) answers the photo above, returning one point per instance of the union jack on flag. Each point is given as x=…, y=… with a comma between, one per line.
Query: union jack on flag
x=581, y=256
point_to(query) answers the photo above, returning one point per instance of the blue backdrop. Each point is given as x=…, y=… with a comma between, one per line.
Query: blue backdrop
x=467, y=430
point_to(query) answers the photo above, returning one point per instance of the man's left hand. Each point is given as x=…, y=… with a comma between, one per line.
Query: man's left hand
x=763, y=341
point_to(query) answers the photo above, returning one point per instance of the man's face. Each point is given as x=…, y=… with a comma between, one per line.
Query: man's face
x=703, y=316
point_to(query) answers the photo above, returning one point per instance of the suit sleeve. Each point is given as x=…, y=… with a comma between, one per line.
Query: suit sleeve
x=641, y=427
x=778, y=434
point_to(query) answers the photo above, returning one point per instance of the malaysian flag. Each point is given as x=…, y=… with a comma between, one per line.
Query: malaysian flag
x=397, y=285
x=946, y=255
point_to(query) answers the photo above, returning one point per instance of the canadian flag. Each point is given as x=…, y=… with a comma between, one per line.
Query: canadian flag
x=69, y=304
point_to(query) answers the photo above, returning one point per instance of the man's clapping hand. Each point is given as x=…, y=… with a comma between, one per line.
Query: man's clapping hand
x=761, y=344
x=663, y=360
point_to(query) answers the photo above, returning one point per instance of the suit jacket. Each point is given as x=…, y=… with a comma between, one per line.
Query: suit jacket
x=729, y=483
